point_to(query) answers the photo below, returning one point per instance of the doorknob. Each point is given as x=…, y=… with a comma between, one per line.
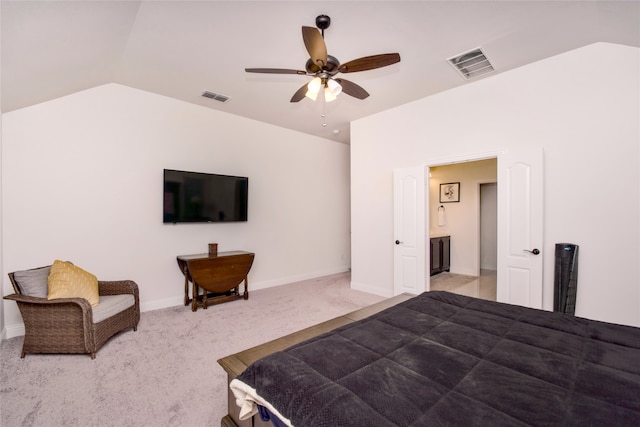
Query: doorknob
x=398, y=242
x=535, y=251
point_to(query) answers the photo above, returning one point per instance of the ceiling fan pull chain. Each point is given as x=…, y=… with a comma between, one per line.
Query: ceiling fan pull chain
x=324, y=116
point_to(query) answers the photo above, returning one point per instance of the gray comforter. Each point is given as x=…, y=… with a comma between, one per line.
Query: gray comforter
x=445, y=359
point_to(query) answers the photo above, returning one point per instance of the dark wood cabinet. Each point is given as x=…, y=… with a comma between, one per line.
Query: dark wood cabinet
x=440, y=254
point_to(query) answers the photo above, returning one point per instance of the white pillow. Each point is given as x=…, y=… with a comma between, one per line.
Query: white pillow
x=33, y=282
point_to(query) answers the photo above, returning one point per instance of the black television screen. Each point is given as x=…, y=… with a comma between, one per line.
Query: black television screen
x=204, y=197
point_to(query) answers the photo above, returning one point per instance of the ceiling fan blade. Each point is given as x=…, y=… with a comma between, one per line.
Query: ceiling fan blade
x=300, y=93
x=315, y=45
x=275, y=71
x=350, y=88
x=369, y=62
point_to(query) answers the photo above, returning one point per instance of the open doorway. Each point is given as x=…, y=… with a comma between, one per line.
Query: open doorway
x=468, y=224
x=520, y=176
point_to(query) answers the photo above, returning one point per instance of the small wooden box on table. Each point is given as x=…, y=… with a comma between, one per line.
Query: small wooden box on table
x=219, y=275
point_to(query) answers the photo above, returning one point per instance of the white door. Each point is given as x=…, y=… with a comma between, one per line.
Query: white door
x=520, y=228
x=409, y=219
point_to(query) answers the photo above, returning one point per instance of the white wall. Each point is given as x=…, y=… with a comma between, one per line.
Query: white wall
x=489, y=226
x=582, y=108
x=3, y=331
x=82, y=181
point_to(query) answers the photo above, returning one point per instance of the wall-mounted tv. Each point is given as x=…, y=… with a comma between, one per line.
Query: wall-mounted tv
x=204, y=197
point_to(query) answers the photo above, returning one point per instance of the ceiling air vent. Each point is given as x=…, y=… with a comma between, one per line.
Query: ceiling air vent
x=472, y=64
x=216, y=96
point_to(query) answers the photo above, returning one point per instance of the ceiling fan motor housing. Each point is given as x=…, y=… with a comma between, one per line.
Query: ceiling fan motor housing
x=331, y=66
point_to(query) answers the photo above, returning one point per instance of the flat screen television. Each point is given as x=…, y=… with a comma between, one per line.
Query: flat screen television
x=204, y=197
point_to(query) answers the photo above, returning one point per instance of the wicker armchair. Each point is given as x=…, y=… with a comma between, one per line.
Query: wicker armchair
x=66, y=325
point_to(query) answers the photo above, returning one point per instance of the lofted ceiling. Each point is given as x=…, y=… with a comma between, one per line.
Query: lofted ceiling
x=181, y=48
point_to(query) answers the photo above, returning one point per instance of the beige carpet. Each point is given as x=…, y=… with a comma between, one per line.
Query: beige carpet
x=446, y=281
x=166, y=373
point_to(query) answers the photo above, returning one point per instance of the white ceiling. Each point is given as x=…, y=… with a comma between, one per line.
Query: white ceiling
x=181, y=48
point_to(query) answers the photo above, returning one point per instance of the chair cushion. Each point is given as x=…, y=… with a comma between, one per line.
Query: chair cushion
x=69, y=281
x=110, y=305
x=33, y=282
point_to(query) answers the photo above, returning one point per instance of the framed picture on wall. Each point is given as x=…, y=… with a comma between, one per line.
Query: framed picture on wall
x=450, y=192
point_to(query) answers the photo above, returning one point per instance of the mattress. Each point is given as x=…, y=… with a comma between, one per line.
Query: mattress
x=446, y=359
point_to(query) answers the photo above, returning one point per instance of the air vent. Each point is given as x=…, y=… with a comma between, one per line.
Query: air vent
x=472, y=64
x=216, y=96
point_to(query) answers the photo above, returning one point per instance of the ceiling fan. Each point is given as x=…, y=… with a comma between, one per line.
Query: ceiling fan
x=324, y=67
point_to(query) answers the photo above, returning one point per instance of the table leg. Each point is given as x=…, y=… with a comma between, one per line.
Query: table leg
x=186, y=290
x=194, y=301
x=246, y=288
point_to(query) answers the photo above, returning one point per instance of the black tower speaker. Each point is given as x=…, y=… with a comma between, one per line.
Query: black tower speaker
x=566, y=278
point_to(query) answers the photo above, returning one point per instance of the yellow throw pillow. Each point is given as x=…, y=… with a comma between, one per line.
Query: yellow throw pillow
x=68, y=281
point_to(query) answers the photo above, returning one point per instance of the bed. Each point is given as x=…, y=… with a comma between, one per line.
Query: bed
x=445, y=359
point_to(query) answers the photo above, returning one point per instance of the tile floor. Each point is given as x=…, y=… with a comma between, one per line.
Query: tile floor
x=483, y=286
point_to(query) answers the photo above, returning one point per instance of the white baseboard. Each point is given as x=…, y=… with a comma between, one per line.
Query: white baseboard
x=363, y=287
x=464, y=272
x=254, y=286
x=18, y=329
x=14, y=330
x=162, y=303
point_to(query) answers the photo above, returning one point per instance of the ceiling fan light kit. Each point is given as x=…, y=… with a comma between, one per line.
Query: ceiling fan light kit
x=331, y=89
x=313, y=88
x=328, y=96
x=324, y=67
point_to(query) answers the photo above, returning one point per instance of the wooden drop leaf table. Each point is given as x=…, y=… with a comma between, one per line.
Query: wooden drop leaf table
x=219, y=276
